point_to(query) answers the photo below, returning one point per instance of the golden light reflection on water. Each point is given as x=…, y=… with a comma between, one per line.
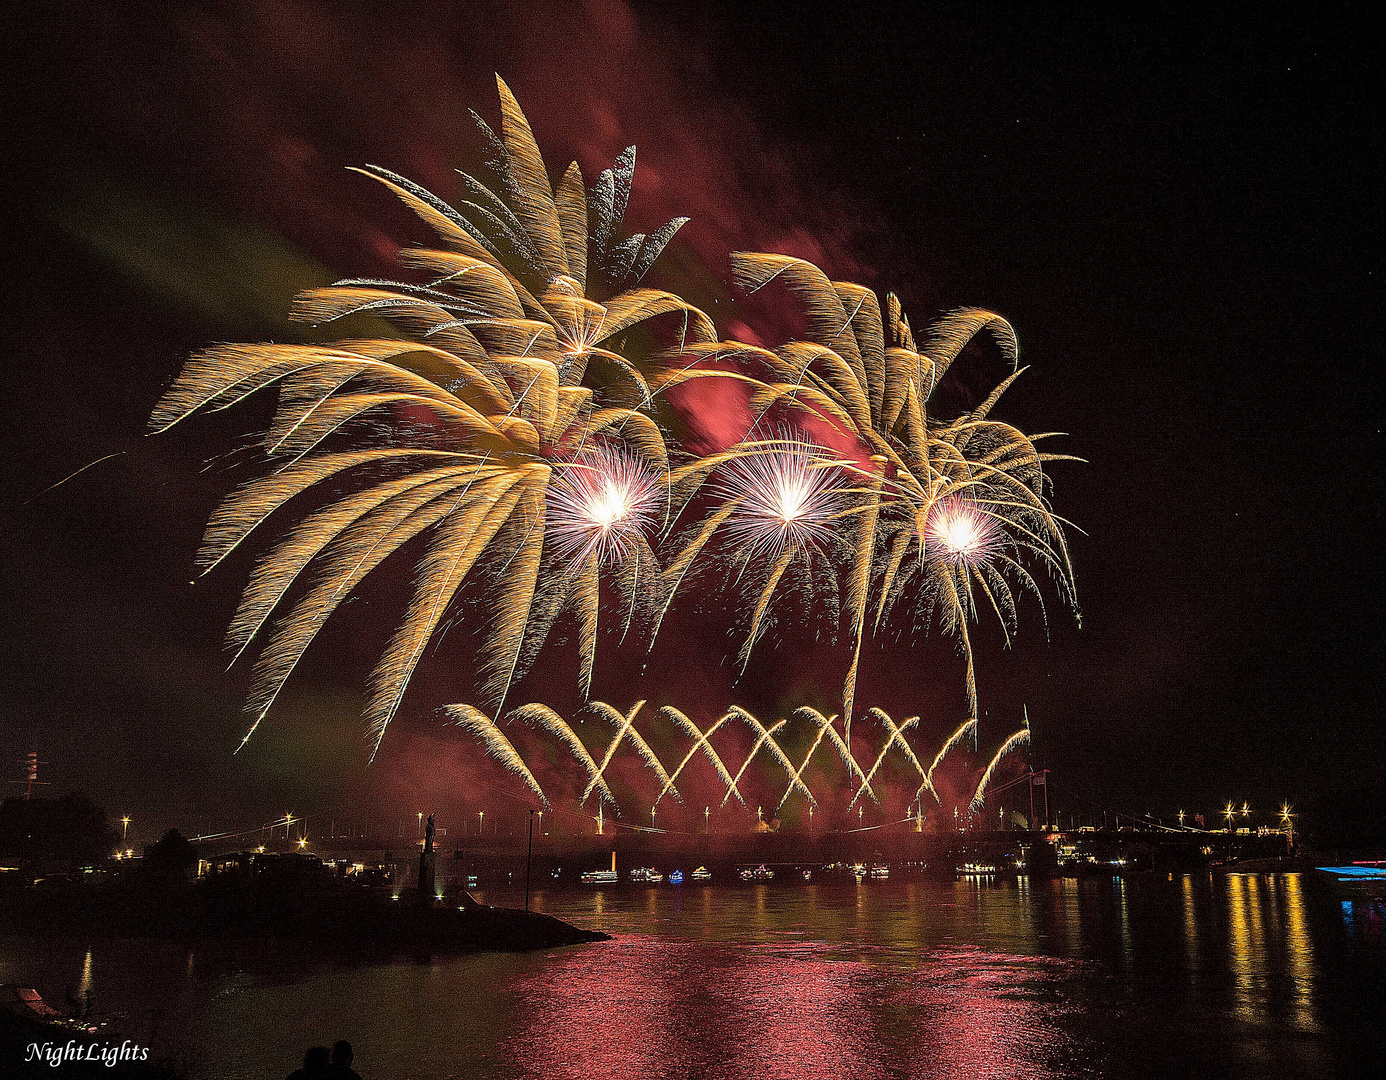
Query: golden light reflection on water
x=1243, y=952
x=1127, y=953
x=1299, y=952
x=1190, y=929
x=1069, y=914
x=1260, y=926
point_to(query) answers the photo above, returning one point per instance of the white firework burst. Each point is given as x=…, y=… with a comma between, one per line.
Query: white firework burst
x=786, y=495
x=961, y=532
x=600, y=503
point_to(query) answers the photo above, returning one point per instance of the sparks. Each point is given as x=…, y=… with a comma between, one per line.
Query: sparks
x=965, y=533
x=786, y=495
x=600, y=504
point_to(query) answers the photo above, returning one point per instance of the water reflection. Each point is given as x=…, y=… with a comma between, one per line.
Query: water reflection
x=768, y=1011
x=1190, y=928
x=1267, y=936
x=1227, y=975
x=1299, y=951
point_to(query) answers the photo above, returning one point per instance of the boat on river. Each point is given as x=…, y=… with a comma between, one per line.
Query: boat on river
x=28, y=1005
x=1369, y=875
x=601, y=877
x=647, y=874
x=757, y=873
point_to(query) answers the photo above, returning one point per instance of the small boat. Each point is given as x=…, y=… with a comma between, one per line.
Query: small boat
x=676, y=878
x=28, y=1004
x=879, y=872
x=858, y=871
x=757, y=873
x=702, y=874
x=646, y=873
x=1369, y=874
x=808, y=875
x=601, y=877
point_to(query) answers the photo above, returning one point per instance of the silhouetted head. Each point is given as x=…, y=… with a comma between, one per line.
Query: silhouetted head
x=341, y=1052
x=315, y=1060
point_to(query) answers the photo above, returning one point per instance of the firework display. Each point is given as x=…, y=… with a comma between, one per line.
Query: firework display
x=767, y=748
x=512, y=435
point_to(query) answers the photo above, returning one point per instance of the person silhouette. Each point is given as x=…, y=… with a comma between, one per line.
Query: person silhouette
x=341, y=1069
x=315, y=1064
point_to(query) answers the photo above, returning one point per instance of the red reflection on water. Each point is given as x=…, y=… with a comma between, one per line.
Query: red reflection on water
x=977, y=1016
x=652, y=1008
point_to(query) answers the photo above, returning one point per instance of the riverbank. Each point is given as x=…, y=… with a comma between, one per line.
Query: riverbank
x=346, y=922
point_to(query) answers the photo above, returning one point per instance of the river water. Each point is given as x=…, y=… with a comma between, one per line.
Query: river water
x=1183, y=976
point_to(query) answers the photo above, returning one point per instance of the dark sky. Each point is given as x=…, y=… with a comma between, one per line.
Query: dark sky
x=1181, y=218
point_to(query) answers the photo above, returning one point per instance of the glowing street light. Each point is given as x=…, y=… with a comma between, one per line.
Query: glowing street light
x=125, y=828
x=529, y=852
x=480, y=820
x=1181, y=819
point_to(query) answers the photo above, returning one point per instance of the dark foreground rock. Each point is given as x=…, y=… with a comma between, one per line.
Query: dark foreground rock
x=348, y=921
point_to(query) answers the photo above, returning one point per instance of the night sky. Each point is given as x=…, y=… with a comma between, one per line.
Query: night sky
x=1182, y=219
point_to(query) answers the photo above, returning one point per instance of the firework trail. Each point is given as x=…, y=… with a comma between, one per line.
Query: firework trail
x=865, y=375
x=625, y=730
x=542, y=716
x=897, y=737
x=497, y=745
x=510, y=435
x=952, y=741
x=505, y=353
x=823, y=727
x=1020, y=738
x=701, y=741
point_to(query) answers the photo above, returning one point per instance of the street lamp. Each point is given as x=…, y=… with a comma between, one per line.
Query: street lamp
x=125, y=828
x=480, y=820
x=529, y=853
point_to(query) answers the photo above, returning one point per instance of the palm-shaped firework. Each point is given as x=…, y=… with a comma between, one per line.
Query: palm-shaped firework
x=509, y=429
x=520, y=416
x=943, y=505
